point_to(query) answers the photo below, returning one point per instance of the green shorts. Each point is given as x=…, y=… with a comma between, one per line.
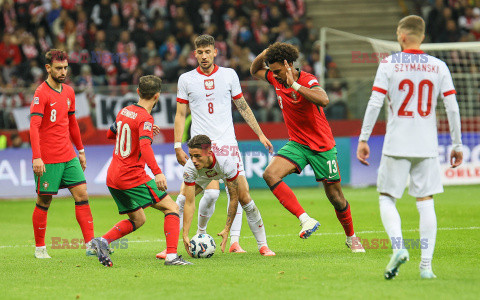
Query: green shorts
x=141, y=196
x=59, y=176
x=324, y=164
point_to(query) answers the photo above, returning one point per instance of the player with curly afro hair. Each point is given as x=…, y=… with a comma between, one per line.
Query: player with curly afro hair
x=310, y=138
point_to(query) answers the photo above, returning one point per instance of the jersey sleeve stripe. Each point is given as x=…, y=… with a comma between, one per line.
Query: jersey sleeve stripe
x=266, y=76
x=449, y=93
x=189, y=183
x=146, y=137
x=317, y=85
x=380, y=90
x=71, y=113
x=234, y=177
x=238, y=96
x=182, y=100
x=36, y=114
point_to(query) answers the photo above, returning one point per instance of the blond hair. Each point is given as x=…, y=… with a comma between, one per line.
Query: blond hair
x=412, y=25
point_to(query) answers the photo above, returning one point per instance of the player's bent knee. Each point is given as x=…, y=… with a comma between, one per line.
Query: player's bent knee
x=211, y=196
x=270, y=177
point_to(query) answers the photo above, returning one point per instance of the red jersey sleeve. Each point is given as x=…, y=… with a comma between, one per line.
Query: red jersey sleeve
x=269, y=77
x=71, y=109
x=37, y=107
x=309, y=81
x=145, y=129
x=145, y=134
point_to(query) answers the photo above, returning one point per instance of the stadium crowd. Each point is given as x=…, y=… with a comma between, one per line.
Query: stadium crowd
x=115, y=42
x=451, y=21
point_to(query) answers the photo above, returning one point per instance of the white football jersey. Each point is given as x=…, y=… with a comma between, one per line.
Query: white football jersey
x=413, y=81
x=223, y=167
x=210, y=100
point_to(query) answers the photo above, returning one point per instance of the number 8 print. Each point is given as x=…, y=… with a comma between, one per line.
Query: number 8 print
x=53, y=115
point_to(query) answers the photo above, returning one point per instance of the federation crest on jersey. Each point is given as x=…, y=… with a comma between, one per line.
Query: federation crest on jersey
x=294, y=97
x=211, y=173
x=45, y=185
x=36, y=100
x=209, y=84
x=147, y=126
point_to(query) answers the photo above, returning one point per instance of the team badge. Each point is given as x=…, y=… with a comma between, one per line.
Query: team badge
x=294, y=96
x=68, y=102
x=45, y=185
x=209, y=84
x=147, y=126
x=36, y=100
x=211, y=173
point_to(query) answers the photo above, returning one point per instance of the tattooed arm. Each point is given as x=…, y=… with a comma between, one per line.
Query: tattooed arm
x=248, y=116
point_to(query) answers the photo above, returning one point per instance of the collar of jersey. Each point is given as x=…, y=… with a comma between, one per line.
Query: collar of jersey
x=215, y=69
x=61, y=87
x=136, y=104
x=413, y=51
x=213, y=162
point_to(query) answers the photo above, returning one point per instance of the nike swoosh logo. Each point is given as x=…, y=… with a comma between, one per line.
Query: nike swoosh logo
x=52, y=104
x=208, y=95
x=329, y=177
x=260, y=225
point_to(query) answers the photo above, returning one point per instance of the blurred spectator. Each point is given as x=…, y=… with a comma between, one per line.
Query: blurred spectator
x=169, y=47
x=113, y=31
x=9, y=52
x=103, y=12
x=17, y=141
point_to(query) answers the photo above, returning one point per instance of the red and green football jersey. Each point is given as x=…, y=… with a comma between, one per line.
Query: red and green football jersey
x=54, y=108
x=306, y=122
x=127, y=169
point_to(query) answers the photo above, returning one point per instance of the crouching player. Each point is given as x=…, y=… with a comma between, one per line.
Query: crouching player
x=203, y=167
x=131, y=188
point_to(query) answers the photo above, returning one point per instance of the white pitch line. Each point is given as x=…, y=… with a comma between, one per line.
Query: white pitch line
x=284, y=235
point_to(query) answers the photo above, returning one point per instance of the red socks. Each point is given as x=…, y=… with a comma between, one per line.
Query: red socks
x=287, y=198
x=345, y=218
x=39, y=220
x=84, y=219
x=120, y=229
x=171, y=227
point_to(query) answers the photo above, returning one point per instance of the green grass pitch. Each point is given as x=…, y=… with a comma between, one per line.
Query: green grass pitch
x=319, y=267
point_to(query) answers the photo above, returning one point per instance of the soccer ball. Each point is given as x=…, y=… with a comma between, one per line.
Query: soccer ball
x=202, y=245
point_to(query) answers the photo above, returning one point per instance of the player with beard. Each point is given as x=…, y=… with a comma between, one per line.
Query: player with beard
x=55, y=163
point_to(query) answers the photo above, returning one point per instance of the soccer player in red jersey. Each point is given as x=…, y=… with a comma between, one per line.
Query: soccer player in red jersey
x=311, y=141
x=132, y=189
x=55, y=163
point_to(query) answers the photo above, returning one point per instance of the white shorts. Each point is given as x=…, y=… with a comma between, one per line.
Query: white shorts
x=425, y=176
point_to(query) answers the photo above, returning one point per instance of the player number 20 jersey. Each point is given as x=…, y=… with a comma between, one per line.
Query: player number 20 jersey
x=413, y=81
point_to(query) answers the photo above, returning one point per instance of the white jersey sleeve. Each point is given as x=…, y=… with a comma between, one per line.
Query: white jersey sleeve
x=382, y=78
x=182, y=93
x=446, y=84
x=190, y=173
x=236, y=87
x=230, y=168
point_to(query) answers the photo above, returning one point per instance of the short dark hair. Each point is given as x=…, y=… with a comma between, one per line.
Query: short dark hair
x=148, y=86
x=413, y=24
x=278, y=52
x=55, y=54
x=200, y=141
x=204, y=40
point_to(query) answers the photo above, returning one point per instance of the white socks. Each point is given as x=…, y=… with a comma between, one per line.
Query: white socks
x=256, y=223
x=391, y=221
x=206, y=207
x=428, y=231
x=171, y=256
x=181, y=203
x=237, y=222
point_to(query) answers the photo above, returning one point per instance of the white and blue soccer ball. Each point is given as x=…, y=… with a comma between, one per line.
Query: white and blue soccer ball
x=202, y=245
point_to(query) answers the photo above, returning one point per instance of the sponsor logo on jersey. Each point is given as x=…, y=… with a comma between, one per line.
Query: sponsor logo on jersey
x=209, y=84
x=208, y=95
x=147, y=126
x=52, y=104
x=129, y=114
x=36, y=100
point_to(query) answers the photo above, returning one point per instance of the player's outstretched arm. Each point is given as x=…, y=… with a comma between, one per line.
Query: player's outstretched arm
x=258, y=67
x=179, y=127
x=232, y=210
x=247, y=114
x=188, y=211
